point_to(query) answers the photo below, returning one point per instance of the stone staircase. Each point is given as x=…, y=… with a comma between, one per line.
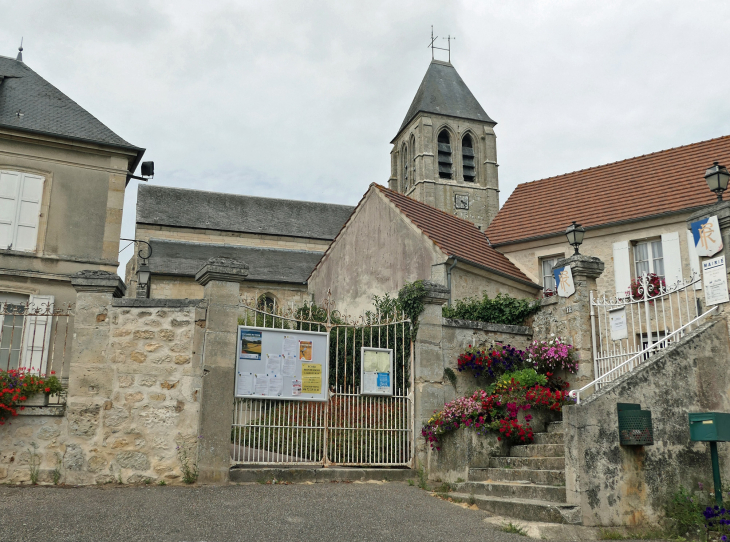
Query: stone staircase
x=529, y=484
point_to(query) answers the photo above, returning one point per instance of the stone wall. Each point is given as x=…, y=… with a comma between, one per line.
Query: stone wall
x=629, y=485
x=133, y=397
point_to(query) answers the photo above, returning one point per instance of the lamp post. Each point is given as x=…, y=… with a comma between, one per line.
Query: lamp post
x=575, y=233
x=143, y=271
x=717, y=177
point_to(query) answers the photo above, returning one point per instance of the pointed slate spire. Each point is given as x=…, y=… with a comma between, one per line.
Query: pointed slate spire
x=20, y=51
x=444, y=92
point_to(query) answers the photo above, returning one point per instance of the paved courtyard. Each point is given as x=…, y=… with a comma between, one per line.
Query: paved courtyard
x=336, y=512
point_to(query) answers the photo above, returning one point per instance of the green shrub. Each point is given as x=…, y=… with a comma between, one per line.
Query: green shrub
x=503, y=309
x=526, y=378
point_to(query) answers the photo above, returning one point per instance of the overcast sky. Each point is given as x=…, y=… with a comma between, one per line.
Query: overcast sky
x=299, y=100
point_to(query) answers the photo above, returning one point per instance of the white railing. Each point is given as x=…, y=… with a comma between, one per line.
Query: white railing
x=638, y=358
x=626, y=325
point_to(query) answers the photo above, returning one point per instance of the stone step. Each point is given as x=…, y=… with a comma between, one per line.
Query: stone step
x=546, y=477
x=549, y=438
x=513, y=490
x=555, y=427
x=537, y=450
x=527, y=509
x=531, y=463
x=317, y=474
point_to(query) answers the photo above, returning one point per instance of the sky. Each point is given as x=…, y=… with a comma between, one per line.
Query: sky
x=299, y=99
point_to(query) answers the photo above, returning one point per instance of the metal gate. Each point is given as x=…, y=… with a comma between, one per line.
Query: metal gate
x=643, y=321
x=349, y=428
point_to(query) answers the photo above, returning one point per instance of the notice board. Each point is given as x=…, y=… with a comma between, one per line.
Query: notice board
x=376, y=371
x=282, y=364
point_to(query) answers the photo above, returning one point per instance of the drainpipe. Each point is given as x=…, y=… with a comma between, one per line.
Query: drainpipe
x=448, y=277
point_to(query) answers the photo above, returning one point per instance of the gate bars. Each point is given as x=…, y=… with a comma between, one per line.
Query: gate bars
x=349, y=428
x=653, y=314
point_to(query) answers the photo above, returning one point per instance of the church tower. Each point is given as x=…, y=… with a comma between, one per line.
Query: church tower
x=445, y=152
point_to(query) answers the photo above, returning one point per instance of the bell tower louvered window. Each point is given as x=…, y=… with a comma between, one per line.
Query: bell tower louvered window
x=467, y=155
x=404, y=153
x=445, y=162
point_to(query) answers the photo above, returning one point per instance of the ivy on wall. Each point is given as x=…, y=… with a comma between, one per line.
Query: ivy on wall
x=503, y=309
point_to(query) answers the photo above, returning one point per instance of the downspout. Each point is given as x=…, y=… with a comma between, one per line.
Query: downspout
x=448, y=277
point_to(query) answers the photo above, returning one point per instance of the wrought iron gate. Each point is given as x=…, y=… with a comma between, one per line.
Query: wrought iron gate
x=347, y=429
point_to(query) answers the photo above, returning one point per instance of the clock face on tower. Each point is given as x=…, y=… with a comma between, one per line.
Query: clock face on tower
x=461, y=201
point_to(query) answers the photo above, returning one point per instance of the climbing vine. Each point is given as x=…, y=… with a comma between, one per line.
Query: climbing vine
x=502, y=309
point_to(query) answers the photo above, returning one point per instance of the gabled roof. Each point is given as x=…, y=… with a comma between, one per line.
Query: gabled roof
x=45, y=109
x=454, y=236
x=647, y=186
x=444, y=92
x=265, y=264
x=185, y=208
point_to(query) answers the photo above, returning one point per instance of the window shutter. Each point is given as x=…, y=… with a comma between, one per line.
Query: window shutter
x=694, y=259
x=672, y=258
x=621, y=268
x=9, y=187
x=37, y=333
x=31, y=192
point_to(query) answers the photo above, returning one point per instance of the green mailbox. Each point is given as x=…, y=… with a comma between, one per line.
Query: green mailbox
x=712, y=427
x=709, y=427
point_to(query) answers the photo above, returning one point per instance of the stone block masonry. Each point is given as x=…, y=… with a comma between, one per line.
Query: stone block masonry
x=133, y=398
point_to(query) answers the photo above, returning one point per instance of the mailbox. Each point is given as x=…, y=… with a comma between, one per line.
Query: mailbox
x=709, y=427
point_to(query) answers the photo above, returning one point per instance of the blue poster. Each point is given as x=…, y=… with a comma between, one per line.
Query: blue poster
x=384, y=380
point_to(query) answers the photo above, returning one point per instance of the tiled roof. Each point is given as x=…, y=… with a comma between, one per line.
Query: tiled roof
x=46, y=109
x=654, y=184
x=453, y=235
x=166, y=206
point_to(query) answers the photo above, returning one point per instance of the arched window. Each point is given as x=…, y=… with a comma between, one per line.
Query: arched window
x=404, y=154
x=266, y=303
x=445, y=162
x=413, y=159
x=467, y=155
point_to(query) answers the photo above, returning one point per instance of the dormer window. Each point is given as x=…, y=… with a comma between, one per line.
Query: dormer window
x=467, y=155
x=444, y=155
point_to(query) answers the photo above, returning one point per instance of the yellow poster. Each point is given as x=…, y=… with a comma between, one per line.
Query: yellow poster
x=312, y=378
x=305, y=350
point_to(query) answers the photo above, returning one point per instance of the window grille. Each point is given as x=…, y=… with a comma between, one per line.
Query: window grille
x=467, y=155
x=444, y=155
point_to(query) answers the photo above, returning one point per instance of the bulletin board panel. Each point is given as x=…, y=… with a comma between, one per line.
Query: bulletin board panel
x=376, y=371
x=282, y=364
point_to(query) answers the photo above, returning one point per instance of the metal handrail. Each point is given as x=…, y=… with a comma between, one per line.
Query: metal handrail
x=575, y=394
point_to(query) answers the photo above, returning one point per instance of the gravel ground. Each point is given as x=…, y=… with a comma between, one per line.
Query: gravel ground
x=337, y=512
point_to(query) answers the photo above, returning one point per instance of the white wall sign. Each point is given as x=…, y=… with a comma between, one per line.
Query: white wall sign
x=706, y=234
x=619, y=326
x=564, y=281
x=282, y=364
x=714, y=274
x=376, y=371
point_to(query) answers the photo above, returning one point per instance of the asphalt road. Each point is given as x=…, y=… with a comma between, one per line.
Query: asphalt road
x=337, y=512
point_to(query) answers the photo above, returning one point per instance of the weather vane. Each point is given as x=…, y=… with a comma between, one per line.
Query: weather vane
x=448, y=41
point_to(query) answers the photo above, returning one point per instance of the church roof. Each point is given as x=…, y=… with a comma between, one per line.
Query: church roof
x=45, y=109
x=454, y=236
x=182, y=258
x=647, y=186
x=444, y=92
x=199, y=209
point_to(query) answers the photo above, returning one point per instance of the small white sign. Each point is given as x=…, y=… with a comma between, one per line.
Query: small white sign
x=619, y=327
x=714, y=274
x=706, y=234
x=564, y=281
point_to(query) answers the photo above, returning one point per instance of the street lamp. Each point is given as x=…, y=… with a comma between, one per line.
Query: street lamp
x=575, y=233
x=717, y=177
x=143, y=271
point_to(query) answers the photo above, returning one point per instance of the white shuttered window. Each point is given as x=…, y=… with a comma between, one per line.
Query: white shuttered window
x=20, y=207
x=621, y=267
x=672, y=258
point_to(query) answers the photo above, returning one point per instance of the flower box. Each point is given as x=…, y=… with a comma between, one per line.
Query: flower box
x=37, y=400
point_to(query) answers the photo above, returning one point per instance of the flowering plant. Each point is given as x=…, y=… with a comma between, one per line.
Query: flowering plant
x=492, y=361
x=16, y=385
x=551, y=355
x=655, y=283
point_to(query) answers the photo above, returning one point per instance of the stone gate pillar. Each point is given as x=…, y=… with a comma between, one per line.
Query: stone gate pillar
x=575, y=312
x=221, y=278
x=428, y=365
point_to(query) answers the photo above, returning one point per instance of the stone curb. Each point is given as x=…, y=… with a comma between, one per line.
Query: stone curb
x=319, y=475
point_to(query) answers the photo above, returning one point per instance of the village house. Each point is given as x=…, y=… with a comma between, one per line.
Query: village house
x=63, y=174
